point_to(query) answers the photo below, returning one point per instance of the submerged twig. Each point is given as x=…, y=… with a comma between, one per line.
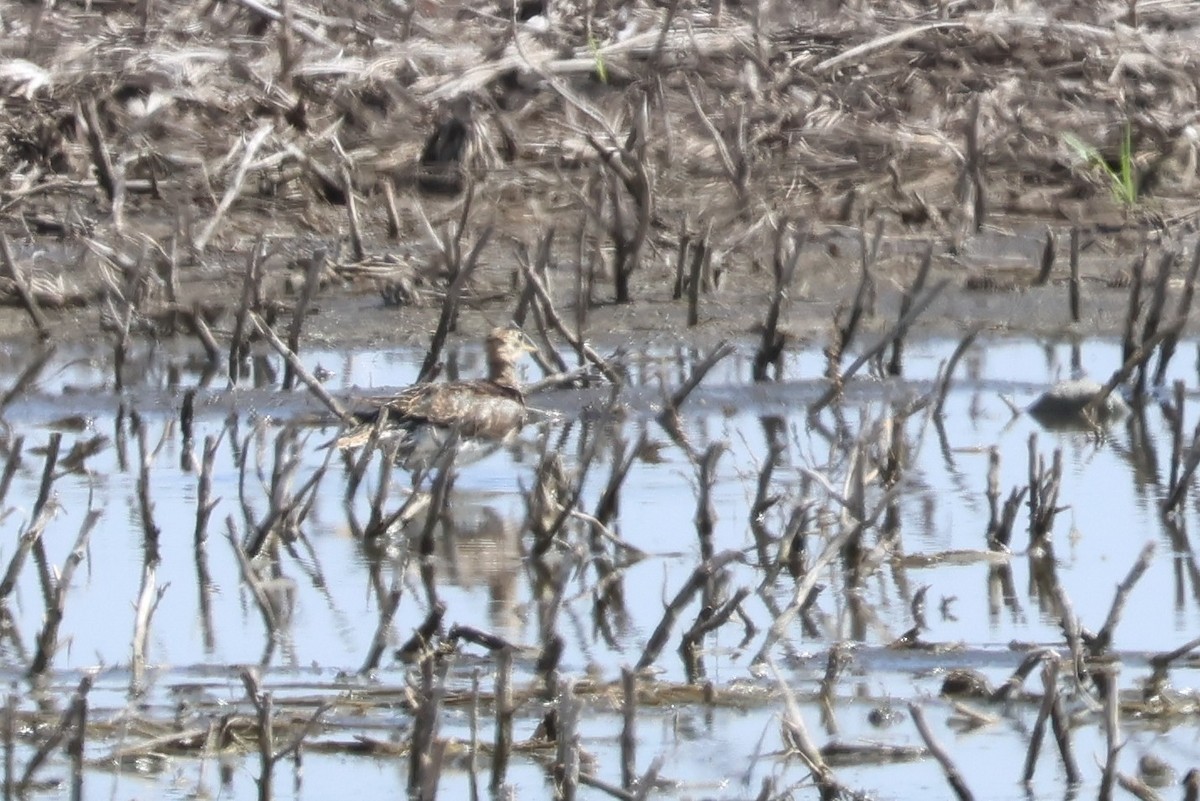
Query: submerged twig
x=953, y=777
x=314, y=386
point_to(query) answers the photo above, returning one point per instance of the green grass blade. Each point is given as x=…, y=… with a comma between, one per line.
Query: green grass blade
x=1122, y=179
x=1128, y=179
x=601, y=70
x=1083, y=151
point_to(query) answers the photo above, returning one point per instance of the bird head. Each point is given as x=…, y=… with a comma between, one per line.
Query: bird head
x=505, y=346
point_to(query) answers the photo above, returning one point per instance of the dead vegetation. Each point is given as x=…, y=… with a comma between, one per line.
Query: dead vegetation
x=222, y=170
x=158, y=145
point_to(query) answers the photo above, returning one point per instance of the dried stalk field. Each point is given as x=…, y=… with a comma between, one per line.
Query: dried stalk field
x=204, y=203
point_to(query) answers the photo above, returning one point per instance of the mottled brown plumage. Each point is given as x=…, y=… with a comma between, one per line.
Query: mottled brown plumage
x=483, y=414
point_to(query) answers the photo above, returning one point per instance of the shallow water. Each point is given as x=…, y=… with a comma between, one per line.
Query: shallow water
x=1111, y=486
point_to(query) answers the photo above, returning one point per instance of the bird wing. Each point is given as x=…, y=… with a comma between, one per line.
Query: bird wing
x=475, y=408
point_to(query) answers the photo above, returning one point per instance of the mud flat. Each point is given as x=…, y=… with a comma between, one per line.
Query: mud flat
x=149, y=158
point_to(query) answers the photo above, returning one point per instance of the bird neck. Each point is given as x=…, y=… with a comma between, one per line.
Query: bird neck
x=502, y=372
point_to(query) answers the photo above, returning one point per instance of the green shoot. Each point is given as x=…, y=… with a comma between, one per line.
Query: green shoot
x=601, y=70
x=1122, y=179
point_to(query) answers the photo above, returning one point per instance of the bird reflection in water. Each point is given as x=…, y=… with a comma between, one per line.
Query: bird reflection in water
x=480, y=547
